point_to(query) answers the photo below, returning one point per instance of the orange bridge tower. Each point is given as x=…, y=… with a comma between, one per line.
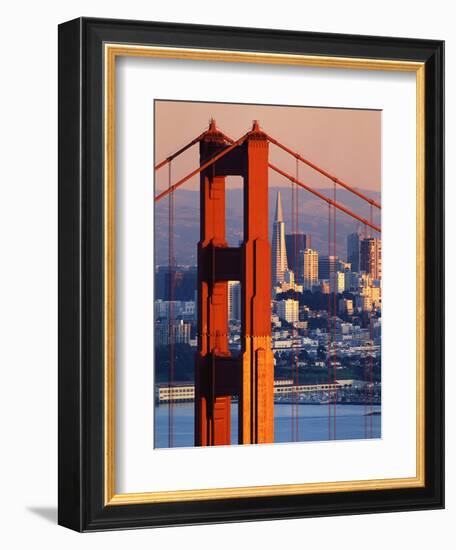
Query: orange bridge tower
x=219, y=375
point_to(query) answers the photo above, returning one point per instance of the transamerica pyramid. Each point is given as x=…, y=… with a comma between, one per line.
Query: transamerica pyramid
x=279, y=251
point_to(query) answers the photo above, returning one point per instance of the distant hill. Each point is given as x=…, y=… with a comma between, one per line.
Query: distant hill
x=313, y=219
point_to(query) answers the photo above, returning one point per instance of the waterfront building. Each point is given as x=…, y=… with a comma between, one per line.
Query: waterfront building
x=185, y=391
x=279, y=251
x=166, y=393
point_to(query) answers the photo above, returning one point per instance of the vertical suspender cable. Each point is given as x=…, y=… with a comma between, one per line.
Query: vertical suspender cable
x=329, y=328
x=371, y=336
x=291, y=261
x=335, y=290
x=171, y=328
x=365, y=374
x=213, y=335
x=294, y=257
x=296, y=264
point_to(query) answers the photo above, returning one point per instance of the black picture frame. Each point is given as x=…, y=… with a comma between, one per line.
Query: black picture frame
x=81, y=471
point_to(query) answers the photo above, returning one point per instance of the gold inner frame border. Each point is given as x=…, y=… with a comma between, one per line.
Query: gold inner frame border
x=111, y=52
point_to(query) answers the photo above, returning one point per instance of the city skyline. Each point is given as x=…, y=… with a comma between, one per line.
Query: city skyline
x=186, y=208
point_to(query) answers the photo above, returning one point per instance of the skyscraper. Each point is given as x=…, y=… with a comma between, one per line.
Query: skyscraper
x=234, y=300
x=295, y=244
x=288, y=310
x=279, y=251
x=353, y=251
x=338, y=284
x=310, y=271
x=371, y=257
x=327, y=266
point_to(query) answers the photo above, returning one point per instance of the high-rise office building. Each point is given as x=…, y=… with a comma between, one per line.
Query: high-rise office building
x=351, y=280
x=353, y=251
x=371, y=257
x=327, y=266
x=288, y=310
x=234, y=300
x=310, y=268
x=279, y=251
x=337, y=282
x=296, y=243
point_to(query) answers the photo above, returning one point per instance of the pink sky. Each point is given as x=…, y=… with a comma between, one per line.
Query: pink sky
x=345, y=142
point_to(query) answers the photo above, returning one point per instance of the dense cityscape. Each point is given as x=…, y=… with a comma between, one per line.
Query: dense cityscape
x=325, y=316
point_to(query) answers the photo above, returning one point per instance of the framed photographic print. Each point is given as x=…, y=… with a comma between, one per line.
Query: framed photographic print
x=250, y=274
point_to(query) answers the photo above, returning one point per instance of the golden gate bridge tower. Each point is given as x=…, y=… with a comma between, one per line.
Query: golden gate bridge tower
x=218, y=374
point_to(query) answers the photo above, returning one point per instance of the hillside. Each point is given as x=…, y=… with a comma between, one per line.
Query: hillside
x=313, y=219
